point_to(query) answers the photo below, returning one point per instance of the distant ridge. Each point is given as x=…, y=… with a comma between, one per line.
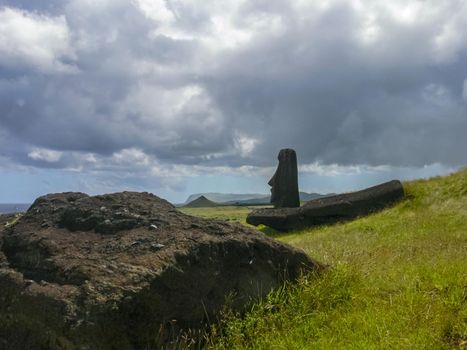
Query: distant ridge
x=225, y=197
x=201, y=202
x=248, y=199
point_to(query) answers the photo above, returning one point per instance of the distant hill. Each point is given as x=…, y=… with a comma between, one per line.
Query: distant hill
x=201, y=202
x=225, y=197
x=248, y=199
x=251, y=201
x=305, y=197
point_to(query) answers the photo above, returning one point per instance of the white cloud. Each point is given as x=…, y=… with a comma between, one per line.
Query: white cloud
x=45, y=155
x=33, y=40
x=224, y=26
x=451, y=39
x=245, y=144
x=136, y=162
x=336, y=169
x=431, y=28
x=156, y=10
x=131, y=157
x=166, y=116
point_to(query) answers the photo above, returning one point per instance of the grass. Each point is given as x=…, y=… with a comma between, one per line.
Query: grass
x=14, y=220
x=398, y=280
x=227, y=213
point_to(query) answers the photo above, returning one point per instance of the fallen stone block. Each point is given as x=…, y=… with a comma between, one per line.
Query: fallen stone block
x=331, y=209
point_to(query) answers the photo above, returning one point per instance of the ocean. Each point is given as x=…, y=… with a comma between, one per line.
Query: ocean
x=6, y=208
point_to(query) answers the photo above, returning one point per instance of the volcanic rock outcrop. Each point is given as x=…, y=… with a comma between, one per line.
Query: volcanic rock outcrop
x=127, y=271
x=331, y=209
x=284, y=183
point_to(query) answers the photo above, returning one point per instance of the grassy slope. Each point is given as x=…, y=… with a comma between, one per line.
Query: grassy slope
x=399, y=280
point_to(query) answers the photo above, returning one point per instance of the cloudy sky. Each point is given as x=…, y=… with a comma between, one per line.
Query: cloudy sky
x=183, y=96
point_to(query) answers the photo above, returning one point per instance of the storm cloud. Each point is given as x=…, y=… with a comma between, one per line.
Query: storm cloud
x=146, y=85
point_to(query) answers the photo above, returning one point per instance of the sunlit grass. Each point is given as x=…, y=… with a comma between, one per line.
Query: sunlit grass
x=226, y=213
x=398, y=280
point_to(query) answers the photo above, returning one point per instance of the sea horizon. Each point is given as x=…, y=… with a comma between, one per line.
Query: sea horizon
x=8, y=208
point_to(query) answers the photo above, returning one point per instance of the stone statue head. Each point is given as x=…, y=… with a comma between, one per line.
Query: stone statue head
x=284, y=183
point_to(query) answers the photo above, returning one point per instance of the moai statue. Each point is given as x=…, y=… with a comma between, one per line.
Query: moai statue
x=284, y=183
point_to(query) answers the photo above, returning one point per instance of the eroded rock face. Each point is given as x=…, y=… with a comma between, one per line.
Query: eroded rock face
x=126, y=271
x=331, y=209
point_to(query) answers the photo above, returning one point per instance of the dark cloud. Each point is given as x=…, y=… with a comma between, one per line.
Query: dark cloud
x=231, y=84
x=317, y=89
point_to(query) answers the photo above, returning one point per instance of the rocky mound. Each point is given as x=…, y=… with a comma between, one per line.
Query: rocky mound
x=126, y=271
x=331, y=209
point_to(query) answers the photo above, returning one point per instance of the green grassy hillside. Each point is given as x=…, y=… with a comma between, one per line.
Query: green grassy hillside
x=398, y=280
